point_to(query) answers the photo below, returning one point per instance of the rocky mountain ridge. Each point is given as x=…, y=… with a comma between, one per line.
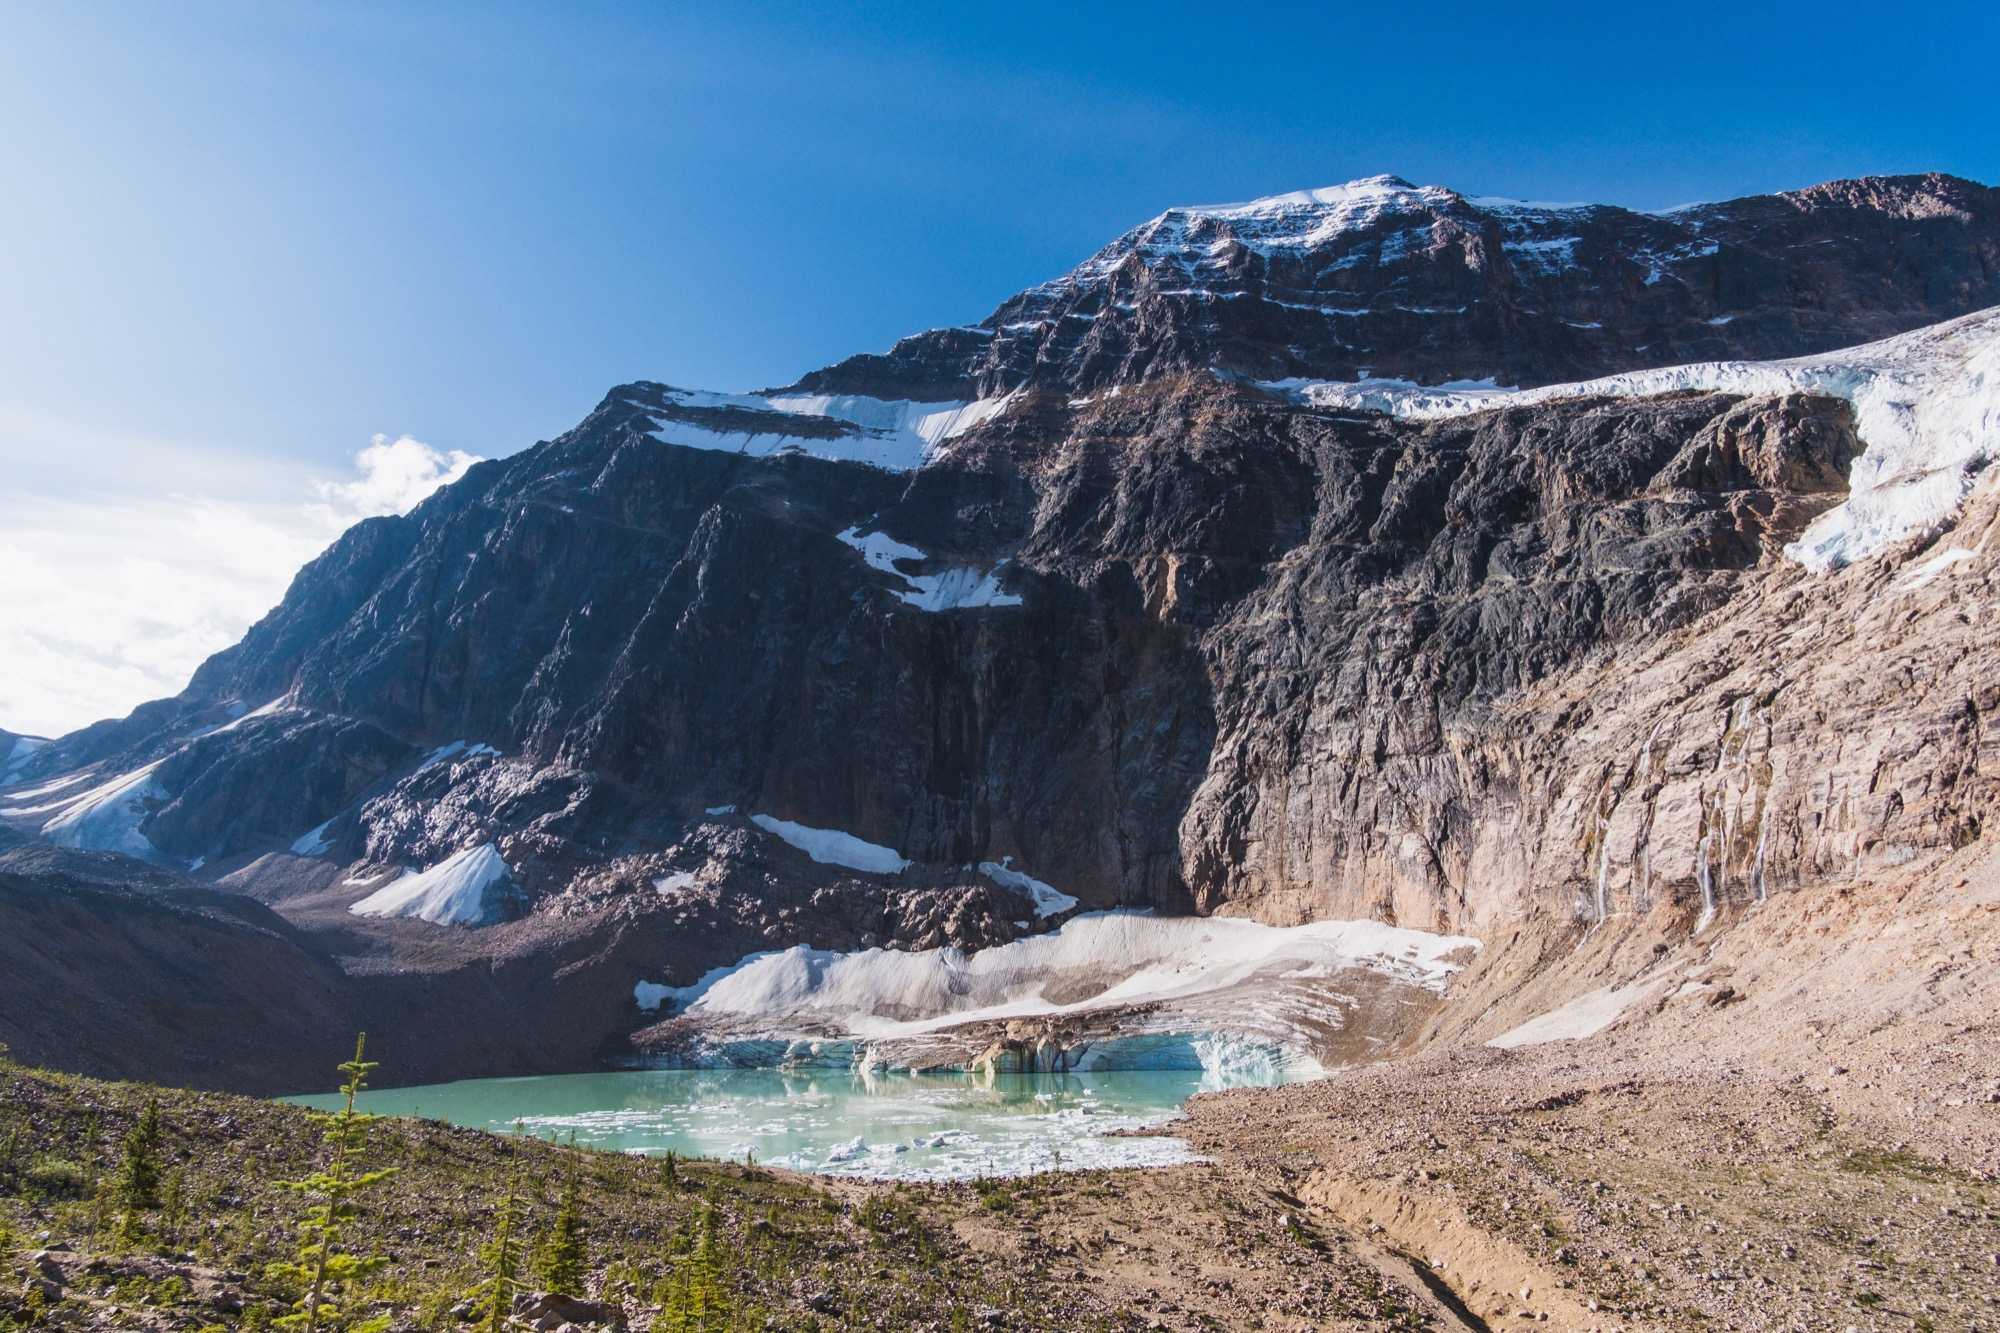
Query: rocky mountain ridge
x=1379, y=277
x=1157, y=615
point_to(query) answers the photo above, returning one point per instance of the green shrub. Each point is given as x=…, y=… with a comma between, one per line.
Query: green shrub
x=57, y=1178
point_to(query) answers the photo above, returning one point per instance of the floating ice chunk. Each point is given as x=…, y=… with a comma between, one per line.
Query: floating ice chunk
x=1048, y=899
x=854, y=1148
x=833, y=847
x=467, y=889
x=720, y=810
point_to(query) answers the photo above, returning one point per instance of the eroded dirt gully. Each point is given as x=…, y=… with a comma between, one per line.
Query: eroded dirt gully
x=1792, y=1123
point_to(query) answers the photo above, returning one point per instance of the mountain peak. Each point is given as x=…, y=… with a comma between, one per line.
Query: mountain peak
x=1365, y=189
x=1381, y=277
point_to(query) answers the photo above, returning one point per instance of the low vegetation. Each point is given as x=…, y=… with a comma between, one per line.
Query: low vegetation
x=129, y=1206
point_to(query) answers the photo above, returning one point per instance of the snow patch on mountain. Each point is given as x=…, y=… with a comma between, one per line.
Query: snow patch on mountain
x=313, y=842
x=453, y=750
x=470, y=888
x=896, y=435
x=1048, y=899
x=243, y=714
x=45, y=789
x=17, y=758
x=833, y=847
x=102, y=818
x=1585, y=1016
x=1927, y=404
x=1303, y=220
x=1552, y=254
x=958, y=588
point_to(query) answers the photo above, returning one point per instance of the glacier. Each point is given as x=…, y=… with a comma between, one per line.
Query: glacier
x=1926, y=404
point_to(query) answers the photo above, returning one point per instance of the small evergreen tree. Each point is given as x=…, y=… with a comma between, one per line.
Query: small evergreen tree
x=329, y=1275
x=502, y=1256
x=10, y=1153
x=173, y=1205
x=670, y=1172
x=694, y=1297
x=138, y=1181
x=104, y=1216
x=560, y=1265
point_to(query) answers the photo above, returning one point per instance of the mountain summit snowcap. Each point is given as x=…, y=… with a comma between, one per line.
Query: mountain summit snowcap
x=1290, y=223
x=1368, y=194
x=1380, y=277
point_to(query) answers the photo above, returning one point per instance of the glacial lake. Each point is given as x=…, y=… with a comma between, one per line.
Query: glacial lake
x=879, y=1125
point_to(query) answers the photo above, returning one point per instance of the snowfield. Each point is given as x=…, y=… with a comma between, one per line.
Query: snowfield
x=102, y=818
x=24, y=750
x=833, y=848
x=895, y=435
x=1048, y=899
x=1927, y=404
x=470, y=888
x=1585, y=1016
x=955, y=589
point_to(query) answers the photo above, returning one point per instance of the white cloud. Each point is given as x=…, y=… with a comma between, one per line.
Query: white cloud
x=107, y=602
x=396, y=476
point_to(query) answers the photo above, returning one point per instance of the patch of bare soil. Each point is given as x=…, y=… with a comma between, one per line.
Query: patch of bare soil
x=1791, y=1121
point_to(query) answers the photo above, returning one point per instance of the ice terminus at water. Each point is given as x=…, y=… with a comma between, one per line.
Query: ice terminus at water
x=1133, y=990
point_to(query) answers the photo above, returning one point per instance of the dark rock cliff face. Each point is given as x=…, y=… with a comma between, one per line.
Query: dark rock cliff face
x=1230, y=605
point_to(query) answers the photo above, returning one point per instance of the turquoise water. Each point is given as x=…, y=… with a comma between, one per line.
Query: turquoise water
x=899, y=1125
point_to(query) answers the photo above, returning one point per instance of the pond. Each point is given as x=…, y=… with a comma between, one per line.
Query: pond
x=892, y=1126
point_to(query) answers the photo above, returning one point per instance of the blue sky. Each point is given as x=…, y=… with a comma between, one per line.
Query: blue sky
x=243, y=239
